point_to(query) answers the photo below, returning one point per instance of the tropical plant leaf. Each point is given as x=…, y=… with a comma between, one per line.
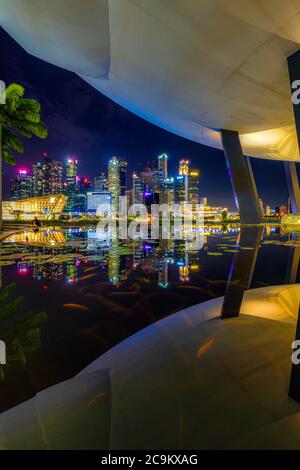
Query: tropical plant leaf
x=7, y=156
x=31, y=105
x=19, y=115
x=12, y=140
x=14, y=93
x=39, y=130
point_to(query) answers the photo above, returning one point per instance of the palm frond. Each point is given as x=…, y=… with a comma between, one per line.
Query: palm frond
x=8, y=156
x=13, y=94
x=19, y=116
x=22, y=127
x=10, y=139
x=30, y=104
x=39, y=130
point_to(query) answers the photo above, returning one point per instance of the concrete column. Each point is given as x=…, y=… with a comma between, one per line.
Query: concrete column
x=294, y=388
x=292, y=266
x=242, y=179
x=293, y=186
x=294, y=72
x=241, y=270
x=290, y=168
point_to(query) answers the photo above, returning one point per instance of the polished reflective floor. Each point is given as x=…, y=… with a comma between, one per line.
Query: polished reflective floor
x=82, y=295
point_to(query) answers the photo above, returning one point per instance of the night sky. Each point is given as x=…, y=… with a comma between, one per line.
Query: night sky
x=84, y=123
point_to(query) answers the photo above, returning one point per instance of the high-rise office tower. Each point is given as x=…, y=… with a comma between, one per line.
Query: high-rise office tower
x=83, y=186
x=56, y=176
x=47, y=177
x=137, y=189
x=71, y=172
x=162, y=164
x=71, y=187
x=114, y=182
x=37, y=178
x=101, y=182
x=184, y=167
x=184, y=171
x=160, y=174
x=167, y=195
x=122, y=176
x=193, y=186
x=180, y=195
x=147, y=177
x=158, y=180
x=21, y=186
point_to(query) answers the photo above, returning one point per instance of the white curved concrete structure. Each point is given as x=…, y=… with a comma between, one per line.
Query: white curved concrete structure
x=190, y=66
x=190, y=381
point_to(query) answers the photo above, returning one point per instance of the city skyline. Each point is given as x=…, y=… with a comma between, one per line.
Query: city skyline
x=97, y=129
x=49, y=176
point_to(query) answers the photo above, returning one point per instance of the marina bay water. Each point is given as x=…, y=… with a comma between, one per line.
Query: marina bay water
x=82, y=295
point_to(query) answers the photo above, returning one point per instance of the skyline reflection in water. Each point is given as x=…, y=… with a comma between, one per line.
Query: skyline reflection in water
x=97, y=293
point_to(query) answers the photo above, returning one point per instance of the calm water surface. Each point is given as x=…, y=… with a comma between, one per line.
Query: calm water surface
x=95, y=294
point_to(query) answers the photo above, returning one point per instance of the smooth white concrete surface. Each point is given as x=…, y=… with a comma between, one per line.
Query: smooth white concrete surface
x=189, y=66
x=189, y=381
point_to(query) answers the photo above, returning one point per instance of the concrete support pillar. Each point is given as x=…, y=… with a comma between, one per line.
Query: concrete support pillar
x=290, y=168
x=292, y=266
x=293, y=186
x=294, y=388
x=242, y=179
x=241, y=271
x=294, y=72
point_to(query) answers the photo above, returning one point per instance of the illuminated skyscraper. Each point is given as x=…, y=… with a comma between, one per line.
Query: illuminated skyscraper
x=180, y=189
x=167, y=195
x=137, y=189
x=21, y=186
x=114, y=182
x=71, y=172
x=158, y=180
x=83, y=186
x=71, y=183
x=147, y=178
x=56, y=177
x=162, y=164
x=47, y=177
x=184, y=167
x=122, y=176
x=37, y=178
x=101, y=182
x=193, y=186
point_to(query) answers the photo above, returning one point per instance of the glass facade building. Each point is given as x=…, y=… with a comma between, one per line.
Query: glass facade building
x=21, y=187
x=114, y=182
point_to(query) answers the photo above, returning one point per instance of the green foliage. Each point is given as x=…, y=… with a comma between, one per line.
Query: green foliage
x=19, y=116
x=20, y=330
